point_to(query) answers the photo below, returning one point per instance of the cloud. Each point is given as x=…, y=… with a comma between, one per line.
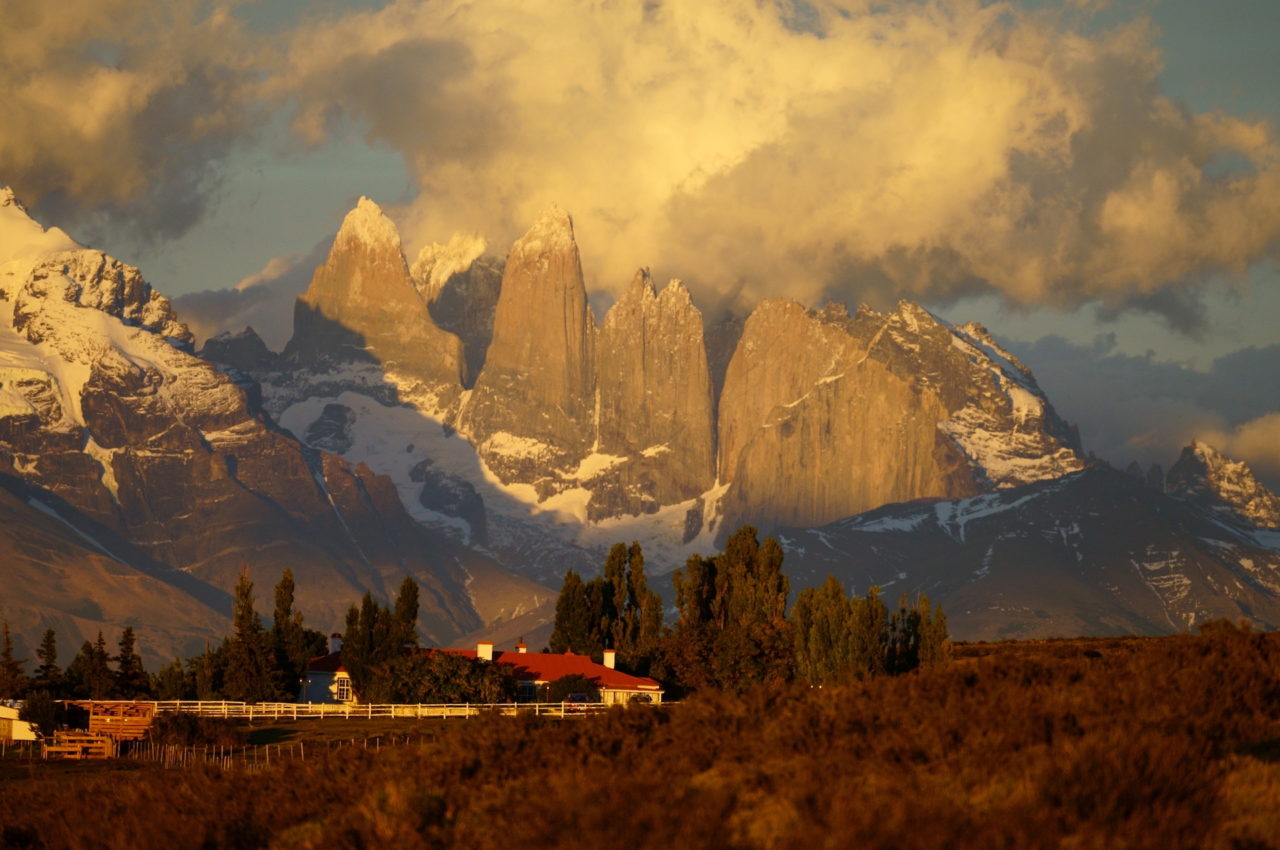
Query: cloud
x=860, y=151
x=1138, y=408
x=117, y=113
x=263, y=300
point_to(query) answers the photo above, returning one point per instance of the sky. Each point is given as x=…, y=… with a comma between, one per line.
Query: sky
x=1097, y=181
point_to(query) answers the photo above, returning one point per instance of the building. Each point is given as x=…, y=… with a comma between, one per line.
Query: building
x=13, y=729
x=327, y=681
x=535, y=670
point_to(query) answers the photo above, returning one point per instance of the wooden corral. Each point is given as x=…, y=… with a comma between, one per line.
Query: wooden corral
x=121, y=721
x=79, y=745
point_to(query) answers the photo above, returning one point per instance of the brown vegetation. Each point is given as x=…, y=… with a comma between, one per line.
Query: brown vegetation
x=1158, y=743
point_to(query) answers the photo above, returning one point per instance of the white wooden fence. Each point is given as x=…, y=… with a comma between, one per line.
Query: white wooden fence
x=298, y=711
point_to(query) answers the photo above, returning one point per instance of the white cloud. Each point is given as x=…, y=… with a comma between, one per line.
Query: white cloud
x=882, y=149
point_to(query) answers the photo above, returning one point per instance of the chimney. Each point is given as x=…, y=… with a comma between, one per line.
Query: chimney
x=522, y=648
x=484, y=650
x=335, y=642
x=610, y=657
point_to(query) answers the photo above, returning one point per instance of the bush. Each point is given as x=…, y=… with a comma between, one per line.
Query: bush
x=41, y=711
x=181, y=729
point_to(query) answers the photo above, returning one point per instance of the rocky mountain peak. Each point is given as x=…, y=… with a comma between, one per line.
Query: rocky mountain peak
x=1203, y=474
x=368, y=225
x=538, y=379
x=362, y=307
x=7, y=198
x=551, y=233
x=641, y=285
x=243, y=350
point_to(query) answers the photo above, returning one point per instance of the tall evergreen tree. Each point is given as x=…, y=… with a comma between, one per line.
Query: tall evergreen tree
x=174, y=681
x=89, y=675
x=250, y=673
x=132, y=681
x=13, y=682
x=48, y=674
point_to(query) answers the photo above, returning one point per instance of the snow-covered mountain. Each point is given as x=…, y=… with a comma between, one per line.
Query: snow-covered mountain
x=157, y=460
x=1204, y=475
x=1092, y=553
x=574, y=434
x=467, y=418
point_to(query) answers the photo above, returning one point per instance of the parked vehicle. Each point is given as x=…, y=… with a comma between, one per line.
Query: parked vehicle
x=576, y=702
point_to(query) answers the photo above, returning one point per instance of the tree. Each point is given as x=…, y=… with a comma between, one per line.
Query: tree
x=369, y=641
x=405, y=615
x=89, y=675
x=174, y=681
x=442, y=677
x=615, y=610
x=574, y=615
x=48, y=676
x=292, y=643
x=132, y=680
x=13, y=683
x=40, y=710
x=250, y=673
x=732, y=630
x=574, y=683
x=822, y=620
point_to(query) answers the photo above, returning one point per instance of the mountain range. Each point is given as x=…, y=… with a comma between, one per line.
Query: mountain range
x=466, y=420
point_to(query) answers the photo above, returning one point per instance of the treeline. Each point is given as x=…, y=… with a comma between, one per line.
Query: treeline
x=733, y=630
x=380, y=653
x=253, y=664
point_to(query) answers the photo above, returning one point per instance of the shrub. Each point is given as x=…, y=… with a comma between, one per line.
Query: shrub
x=181, y=729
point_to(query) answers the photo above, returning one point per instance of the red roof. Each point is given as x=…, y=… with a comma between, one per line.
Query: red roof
x=549, y=666
x=331, y=663
x=530, y=667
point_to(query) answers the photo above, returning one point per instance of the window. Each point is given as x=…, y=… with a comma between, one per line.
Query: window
x=343, y=689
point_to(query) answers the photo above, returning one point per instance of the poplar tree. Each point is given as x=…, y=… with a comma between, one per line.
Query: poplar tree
x=249, y=672
x=369, y=641
x=732, y=630
x=572, y=631
x=405, y=615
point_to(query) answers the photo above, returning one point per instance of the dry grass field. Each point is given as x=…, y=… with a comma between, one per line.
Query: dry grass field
x=1144, y=743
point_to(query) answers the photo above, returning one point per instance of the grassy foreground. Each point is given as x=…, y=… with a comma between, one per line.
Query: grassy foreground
x=1158, y=743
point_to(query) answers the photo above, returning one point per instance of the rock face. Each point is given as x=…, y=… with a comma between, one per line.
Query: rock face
x=362, y=305
x=655, y=401
x=824, y=415
x=531, y=413
x=244, y=351
x=1205, y=476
